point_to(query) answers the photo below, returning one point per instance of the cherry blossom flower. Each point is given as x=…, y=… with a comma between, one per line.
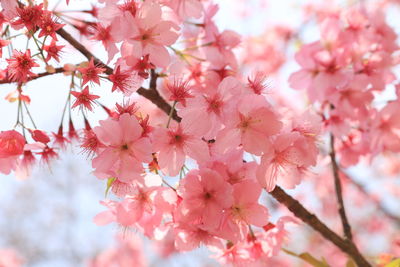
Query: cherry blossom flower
x=251, y=125
x=124, y=149
x=178, y=91
x=20, y=65
x=91, y=73
x=11, y=147
x=28, y=16
x=84, y=98
x=90, y=143
x=285, y=161
x=205, y=114
x=125, y=81
x=53, y=50
x=189, y=236
x=257, y=83
x=11, y=144
x=48, y=26
x=59, y=139
x=174, y=144
x=205, y=194
x=103, y=34
x=231, y=166
x=245, y=211
x=149, y=34
x=47, y=155
x=385, y=129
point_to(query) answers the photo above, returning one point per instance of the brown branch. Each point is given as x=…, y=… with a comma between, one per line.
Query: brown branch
x=84, y=51
x=157, y=100
x=302, y=213
x=151, y=94
x=153, y=79
x=39, y=75
x=338, y=188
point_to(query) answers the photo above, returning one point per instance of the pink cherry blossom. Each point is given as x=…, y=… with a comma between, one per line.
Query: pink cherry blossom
x=245, y=211
x=205, y=114
x=11, y=144
x=189, y=237
x=174, y=145
x=205, y=194
x=283, y=164
x=124, y=149
x=149, y=33
x=251, y=125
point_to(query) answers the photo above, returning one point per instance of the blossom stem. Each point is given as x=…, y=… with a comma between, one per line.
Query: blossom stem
x=29, y=115
x=66, y=104
x=13, y=36
x=17, y=122
x=22, y=116
x=40, y=49
x=198, y=46
x=167, y=184
x=251, y=231
x=170, y=114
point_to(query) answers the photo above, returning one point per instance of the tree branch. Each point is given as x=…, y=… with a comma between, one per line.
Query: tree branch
x=151, y=94
x=39, y=75
x=347, y=246
x=338, y=189
x=157, y=100
x=78, y=46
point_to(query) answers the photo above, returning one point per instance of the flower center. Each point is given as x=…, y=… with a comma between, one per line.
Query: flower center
x=124, y=147
x=207, y=196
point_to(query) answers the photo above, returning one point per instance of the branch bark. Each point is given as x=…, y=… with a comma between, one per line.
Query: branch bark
x=84, y=51
x=39, y=75
x=302, y=213
x=151, y=94
x=338, y=188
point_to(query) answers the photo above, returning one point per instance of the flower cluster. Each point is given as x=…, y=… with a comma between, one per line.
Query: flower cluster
x=344, y=72
x=191, y=161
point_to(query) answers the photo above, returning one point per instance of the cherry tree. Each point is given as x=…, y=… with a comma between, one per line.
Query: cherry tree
x=198, y=149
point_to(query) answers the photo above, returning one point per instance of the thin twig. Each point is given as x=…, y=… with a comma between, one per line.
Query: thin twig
x=338, y=189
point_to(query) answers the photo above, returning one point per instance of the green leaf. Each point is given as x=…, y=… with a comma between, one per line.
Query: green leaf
x=109, y=183
x=307, y=257
x=395, y=263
